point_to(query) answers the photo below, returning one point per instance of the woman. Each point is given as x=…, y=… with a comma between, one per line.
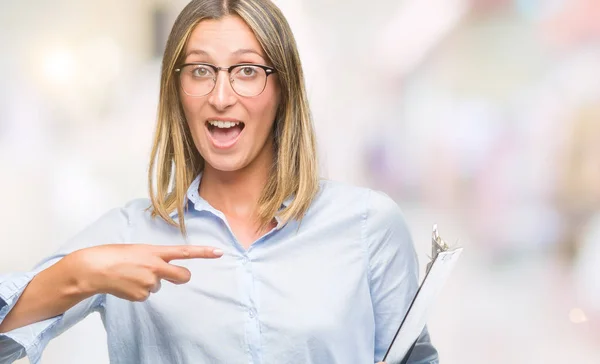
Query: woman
x=275, y=265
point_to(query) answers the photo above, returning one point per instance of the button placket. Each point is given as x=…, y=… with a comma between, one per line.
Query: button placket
x=252, y=324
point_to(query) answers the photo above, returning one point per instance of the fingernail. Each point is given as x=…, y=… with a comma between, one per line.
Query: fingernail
x=218, y=252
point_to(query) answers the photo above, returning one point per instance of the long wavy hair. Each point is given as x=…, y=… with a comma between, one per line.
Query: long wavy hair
x=175, y=161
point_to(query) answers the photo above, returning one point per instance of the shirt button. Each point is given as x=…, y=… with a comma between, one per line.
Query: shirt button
x=252, y=313
x=245, y=260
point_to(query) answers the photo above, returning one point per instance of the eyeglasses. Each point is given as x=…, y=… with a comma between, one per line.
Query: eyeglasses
x=199, y=79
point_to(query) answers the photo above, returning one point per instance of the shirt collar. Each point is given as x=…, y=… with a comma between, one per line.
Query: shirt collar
x=287, y=201
x=193, y=198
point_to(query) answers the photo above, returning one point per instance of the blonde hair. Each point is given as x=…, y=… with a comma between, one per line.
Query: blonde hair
x=175, y=161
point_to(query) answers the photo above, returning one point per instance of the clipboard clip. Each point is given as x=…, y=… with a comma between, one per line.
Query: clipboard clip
x=438, y=245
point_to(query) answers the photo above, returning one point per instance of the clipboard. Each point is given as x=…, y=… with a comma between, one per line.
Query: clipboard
x=443, y=259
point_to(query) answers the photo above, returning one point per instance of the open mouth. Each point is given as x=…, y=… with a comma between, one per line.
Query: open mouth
x=224, y=134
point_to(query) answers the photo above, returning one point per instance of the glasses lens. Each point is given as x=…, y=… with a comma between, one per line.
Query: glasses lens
x=197, y=80
x=248, y=80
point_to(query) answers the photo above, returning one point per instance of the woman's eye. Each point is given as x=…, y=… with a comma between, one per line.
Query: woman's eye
x=248, y=71
x=200, y=71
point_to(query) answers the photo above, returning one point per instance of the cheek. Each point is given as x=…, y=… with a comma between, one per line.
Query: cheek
x=191, y=112
x=190, y=107
x=264, y=110
x=264, y=115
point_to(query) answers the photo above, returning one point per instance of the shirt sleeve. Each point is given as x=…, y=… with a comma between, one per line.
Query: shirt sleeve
x=393, y=276
x=30, y=340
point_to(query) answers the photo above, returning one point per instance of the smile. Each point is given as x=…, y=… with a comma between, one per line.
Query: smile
x=224, y=133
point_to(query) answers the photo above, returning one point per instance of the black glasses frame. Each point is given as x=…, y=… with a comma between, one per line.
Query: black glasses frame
x=268, y=70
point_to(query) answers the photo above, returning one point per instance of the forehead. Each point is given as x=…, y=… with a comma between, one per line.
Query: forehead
x=223, y=37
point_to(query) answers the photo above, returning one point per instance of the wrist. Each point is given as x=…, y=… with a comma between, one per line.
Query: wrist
x=80, y=277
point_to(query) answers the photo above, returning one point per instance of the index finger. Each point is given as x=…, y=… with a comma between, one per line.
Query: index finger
x=168, y=253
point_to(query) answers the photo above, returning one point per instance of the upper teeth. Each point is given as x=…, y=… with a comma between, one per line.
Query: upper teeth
x=223, y=124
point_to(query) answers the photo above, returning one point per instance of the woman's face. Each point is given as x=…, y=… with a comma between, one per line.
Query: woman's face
x=230, y=131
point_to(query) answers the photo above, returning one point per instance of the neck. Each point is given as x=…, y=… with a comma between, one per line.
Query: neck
x=236, y=193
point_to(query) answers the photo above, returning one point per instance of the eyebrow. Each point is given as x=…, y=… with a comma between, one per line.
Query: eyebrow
x=239, y=52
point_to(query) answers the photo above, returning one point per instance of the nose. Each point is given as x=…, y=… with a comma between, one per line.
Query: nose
x=222, y=96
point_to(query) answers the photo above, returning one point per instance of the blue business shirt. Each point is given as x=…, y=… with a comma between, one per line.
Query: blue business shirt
x=331, y=289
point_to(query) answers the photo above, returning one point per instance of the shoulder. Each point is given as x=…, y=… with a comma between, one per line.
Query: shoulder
x=112, y=226
x=375, y=205
x=384, y=213
x=126, y=214
x=378, y=214
x=137, y=207
x=382, y=219
x=341, y=193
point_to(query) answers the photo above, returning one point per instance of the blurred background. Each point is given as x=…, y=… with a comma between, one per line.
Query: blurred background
x=482, y=116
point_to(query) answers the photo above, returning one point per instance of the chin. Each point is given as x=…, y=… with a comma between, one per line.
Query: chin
x=225, y=163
